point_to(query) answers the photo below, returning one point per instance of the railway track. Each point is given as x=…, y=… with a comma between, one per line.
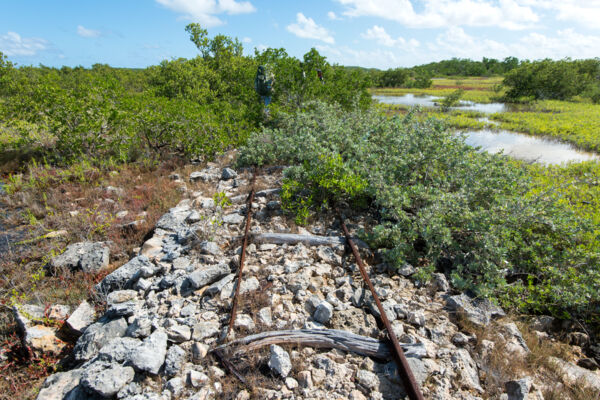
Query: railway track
x=410, y=384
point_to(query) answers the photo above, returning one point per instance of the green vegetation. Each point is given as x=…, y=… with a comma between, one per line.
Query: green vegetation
x=482, y=218
x=548, y=79
x=193, y=108
x=420, y=76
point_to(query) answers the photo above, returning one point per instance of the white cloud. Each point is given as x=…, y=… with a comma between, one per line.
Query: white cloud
x=584, y=12
x=87, y=33
x=307, y=28
x=379, y=34
x=246, y=40
x=205, y=11
x=455, y=42
x=333, y=16
x=508, y=14
x=12, y=44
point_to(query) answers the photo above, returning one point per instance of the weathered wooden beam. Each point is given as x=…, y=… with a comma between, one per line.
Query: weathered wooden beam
x=324, y=338
x=309, y=240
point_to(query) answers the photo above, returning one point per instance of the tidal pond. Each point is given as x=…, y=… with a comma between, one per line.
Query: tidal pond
x=431, y=101
x=517, y=145
x=525, y=147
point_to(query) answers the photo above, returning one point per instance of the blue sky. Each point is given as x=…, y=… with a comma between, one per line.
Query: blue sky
x=368, y=33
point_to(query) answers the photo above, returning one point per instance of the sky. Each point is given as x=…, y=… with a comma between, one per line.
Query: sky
x=368, y=33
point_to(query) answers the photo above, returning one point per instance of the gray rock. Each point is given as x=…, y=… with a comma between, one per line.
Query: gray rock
x=129, y=390
x=575, y=374
x=179, y=333
x=199, y=351
x=175, y=386
x=355, y=320
x=228, y=174
x=118, y=349
x=106, y=378
x=519, y=389
x=121, y=296
x=174, y=220
x=265, y=317
x=207, y=275
x=205, y=329
x=86, y=256
x=249, y=285
x=416, y=318
x=233, y=219
x=219, y=285
x=323, y=313
x=81, y=318
x=124, y=276
x=211, y=248
x=478, y=311
x=122, y=309
x=244, y=321
x=367, y=379
x=57, y=386
x=197, y=379
x=150, y=355
x=96, y=336
x=140, y=328
x=174, y=360
x=279, y=361
x=406, y=270
x=193, y=217
x=466, y=369
x=440, y=282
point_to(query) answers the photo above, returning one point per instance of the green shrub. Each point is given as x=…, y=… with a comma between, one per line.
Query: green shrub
x=441, y=204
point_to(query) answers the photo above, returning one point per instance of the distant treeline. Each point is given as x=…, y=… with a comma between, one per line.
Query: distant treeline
x=420, y=76
x=524, y=80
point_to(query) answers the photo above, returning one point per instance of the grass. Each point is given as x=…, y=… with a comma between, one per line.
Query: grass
x=75, y=202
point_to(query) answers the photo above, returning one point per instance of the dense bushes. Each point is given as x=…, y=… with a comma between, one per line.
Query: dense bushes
x=548, y=79
x=442, y=205
x=196, y=107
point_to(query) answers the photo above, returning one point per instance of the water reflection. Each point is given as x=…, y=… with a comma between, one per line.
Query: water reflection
x=431, y=101
x=524, y=147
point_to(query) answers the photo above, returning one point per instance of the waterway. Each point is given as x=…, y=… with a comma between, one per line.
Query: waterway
x=514, y=144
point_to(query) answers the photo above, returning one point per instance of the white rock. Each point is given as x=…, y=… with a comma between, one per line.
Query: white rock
x=280, y=361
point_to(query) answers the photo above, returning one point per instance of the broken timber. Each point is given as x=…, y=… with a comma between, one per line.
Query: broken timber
x=324, y=338
x=309, y=240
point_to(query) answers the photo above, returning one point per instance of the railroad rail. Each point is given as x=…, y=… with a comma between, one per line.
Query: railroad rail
x=410, y=384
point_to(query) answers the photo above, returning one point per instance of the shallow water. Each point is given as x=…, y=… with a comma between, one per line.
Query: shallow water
x=430, y=101
x=525, y=147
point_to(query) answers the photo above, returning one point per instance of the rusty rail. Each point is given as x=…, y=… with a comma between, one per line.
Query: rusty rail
x=243, y=255
x=410, y=384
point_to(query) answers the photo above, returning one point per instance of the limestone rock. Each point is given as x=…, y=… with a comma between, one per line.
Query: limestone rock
x=106, y=379
x=519, y=389
x=150, y=355
x=574, y=374
x=57, y=386
x=280, y=361
x=96, y=336
x=124, y=276
x=81, y=318
x=323, y=313
x=90, y=257
x=174, y=360
x=228, y=174
x=207, y=275
x=478, y=311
